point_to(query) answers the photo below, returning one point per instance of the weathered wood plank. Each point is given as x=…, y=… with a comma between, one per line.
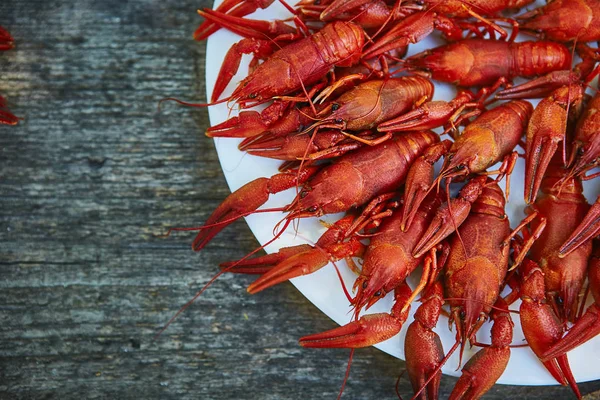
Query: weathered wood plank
x=89, y=178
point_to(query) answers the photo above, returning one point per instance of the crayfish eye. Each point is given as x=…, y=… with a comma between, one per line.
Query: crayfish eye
x=313, y=209
x=252, y=95
x=335, y=106
x=378, y=293
x=365, y=284
x=462, y=315
x=581, y=151
x=339, y=120
x=459, y=167
x=303, y=194
x=317, y=2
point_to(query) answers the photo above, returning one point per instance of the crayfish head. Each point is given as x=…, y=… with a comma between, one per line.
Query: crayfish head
x=369, y=290
x=334, y=189
x=309, y=212
x=472, y=294
x=468, y=319
x=457, y=166
x=587, y=155
x=469, y=157
x=385, y=267
x=305, y=205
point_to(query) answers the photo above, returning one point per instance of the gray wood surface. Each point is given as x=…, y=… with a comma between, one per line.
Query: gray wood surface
x=89, y=177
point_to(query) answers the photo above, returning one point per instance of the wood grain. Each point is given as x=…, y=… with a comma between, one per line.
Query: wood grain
x=89, y=178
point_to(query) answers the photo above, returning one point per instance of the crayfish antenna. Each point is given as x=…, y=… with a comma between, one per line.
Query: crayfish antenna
x=366, y=331
x=214, y=278
x=347, y=374
x=221, y=222
x=397, y=386
x=304, y=259
x=455, y=211
x=342, y=283
x=234, y=8
x=189, y=104
x=246, y=200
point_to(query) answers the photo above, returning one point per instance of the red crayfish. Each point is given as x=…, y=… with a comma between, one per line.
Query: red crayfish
x=6, y=117
x=365, y=149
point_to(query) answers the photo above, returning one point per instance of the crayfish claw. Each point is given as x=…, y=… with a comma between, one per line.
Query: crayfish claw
x=419, y=181
x=338, y=7
x=248, y=28
x=423, y=347
x=482, y=371
x=246, y=200
x=587, y=229
x=539, y=87
x=587, y=327
x=236, y=8
x=239, y=203
x=443, y=225
x=7, y=117
x=299, y=264
x=547, y=128
x=246, y=124
x=538, y=157
x=6, y=40
x=263, y=264
x=367, y=331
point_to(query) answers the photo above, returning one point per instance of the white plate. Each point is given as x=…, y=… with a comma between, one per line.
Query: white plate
x=323, y=287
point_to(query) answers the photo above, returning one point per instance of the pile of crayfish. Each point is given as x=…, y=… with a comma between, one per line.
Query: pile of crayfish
x=6, y=117
x=352, y=119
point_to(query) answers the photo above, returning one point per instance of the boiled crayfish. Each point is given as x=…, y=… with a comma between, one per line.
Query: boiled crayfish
x=6, y=117
x=354, y=132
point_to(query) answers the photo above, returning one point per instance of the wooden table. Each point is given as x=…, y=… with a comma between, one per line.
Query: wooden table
x=89, y=178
